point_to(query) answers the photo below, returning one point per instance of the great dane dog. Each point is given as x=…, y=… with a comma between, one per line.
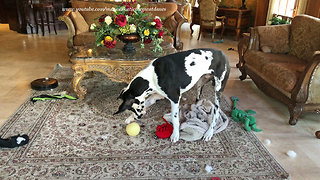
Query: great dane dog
x=170, y=76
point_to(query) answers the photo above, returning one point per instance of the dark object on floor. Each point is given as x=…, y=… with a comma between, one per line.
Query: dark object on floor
x=318, y=134
x=230, y=49
x=44, y=84
x=14, y=141
x=44, y=97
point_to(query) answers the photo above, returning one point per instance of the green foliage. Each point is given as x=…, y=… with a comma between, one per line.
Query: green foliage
x=276, y=21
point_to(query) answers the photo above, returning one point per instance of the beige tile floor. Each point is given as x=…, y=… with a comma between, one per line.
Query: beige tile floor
x=24, y=58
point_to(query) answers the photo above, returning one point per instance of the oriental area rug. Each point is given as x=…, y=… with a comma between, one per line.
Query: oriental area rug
x=81, y=139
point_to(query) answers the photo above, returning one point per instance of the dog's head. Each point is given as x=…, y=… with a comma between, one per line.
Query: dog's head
x=133, y=97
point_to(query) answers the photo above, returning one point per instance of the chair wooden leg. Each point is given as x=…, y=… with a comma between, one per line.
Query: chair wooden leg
x=295, y=112
x=318, y=134
x=191, y=28
x=54, y=21
x=222, y=31
x=199, y=33
x=42, y=23
x=213, y=30
x=243, y=73
x=48, y=21
x=35, y=17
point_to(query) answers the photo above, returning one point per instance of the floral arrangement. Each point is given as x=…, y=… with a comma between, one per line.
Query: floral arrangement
x=128, y=20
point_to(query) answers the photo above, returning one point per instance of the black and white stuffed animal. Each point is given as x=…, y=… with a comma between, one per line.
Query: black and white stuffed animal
x=170, y=76
x=14, y=141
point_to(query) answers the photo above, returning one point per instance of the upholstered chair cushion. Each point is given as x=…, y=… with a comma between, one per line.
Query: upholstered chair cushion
x=274, y=39
x=305, y=37
x=79, y=22
x=282, y=70
x=163, y=10
x=210, y=24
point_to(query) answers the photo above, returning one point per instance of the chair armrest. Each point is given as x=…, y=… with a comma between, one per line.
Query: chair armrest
x=222, y=18
x=308, y=81
x=180, y=20
x=71, y=29
x=254, y=39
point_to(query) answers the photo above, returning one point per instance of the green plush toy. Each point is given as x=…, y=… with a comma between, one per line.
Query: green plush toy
x=244, y=116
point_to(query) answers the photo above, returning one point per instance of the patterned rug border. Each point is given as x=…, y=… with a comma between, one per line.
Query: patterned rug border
x=20, y=151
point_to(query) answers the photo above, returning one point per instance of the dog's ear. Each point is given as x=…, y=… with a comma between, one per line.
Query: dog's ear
x=121, y=93
x=126, y=104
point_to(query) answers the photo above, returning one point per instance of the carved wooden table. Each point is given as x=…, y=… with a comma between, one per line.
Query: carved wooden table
x=116, y=65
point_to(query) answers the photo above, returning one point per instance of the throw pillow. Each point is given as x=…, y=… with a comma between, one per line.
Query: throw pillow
x=275, y=38
x=79, y=22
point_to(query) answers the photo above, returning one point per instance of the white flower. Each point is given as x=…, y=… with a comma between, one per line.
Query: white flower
x=127, y=17
x=133, y=28
x=138, y=6
x=153, y=23
x=157, y=17
x=108, y=20
x=113, y=9
x=93, y=26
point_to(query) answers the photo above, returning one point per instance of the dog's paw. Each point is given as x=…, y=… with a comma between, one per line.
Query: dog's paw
x=129, y=120
x=174, y=136
x=208, y=135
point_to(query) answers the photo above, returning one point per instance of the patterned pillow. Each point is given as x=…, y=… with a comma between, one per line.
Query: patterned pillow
x=79, y=22
x=274, y=39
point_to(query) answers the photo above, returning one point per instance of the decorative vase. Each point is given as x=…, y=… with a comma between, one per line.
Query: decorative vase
x=243, y=5
x=129, y=39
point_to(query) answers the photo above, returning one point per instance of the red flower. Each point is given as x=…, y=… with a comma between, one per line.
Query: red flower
x=160, y=33
x=158, y=23
x=110, y=44
x=101, y=19
x=147, y=41
x=121, y=20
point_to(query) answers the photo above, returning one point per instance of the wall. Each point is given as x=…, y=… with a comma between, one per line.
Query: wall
x=251, y=4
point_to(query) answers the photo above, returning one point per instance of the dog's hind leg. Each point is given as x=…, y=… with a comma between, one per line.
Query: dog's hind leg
x=175, y=121
x=208, y=135
x=219, y=86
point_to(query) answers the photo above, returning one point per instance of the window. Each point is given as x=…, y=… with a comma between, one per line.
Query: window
x=285, y=7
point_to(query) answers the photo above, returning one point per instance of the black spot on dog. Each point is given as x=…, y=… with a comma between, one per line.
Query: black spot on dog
x=206, y=57
x=171, y=74
x=192, y=63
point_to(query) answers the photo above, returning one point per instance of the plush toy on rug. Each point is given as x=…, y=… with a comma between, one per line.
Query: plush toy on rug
x=14, y=141
x=44, y=97
x=196, y=118
x=244, y=116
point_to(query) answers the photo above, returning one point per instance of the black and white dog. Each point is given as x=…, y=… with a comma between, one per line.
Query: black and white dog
x=169, y=77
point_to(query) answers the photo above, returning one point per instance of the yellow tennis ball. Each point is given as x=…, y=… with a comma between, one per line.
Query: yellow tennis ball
x=133, y=129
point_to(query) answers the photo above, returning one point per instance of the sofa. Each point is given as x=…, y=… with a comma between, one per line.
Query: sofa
x=284, y=62
x=79, y=22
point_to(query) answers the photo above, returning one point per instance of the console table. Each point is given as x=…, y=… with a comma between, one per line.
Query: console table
x=116, y=65
x=236, y=19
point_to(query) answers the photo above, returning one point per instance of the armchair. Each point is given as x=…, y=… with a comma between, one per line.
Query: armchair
x=284, y=62
x=208, y=19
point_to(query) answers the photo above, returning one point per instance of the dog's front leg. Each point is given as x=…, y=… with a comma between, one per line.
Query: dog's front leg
x=175, y=121
x=130, y=119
